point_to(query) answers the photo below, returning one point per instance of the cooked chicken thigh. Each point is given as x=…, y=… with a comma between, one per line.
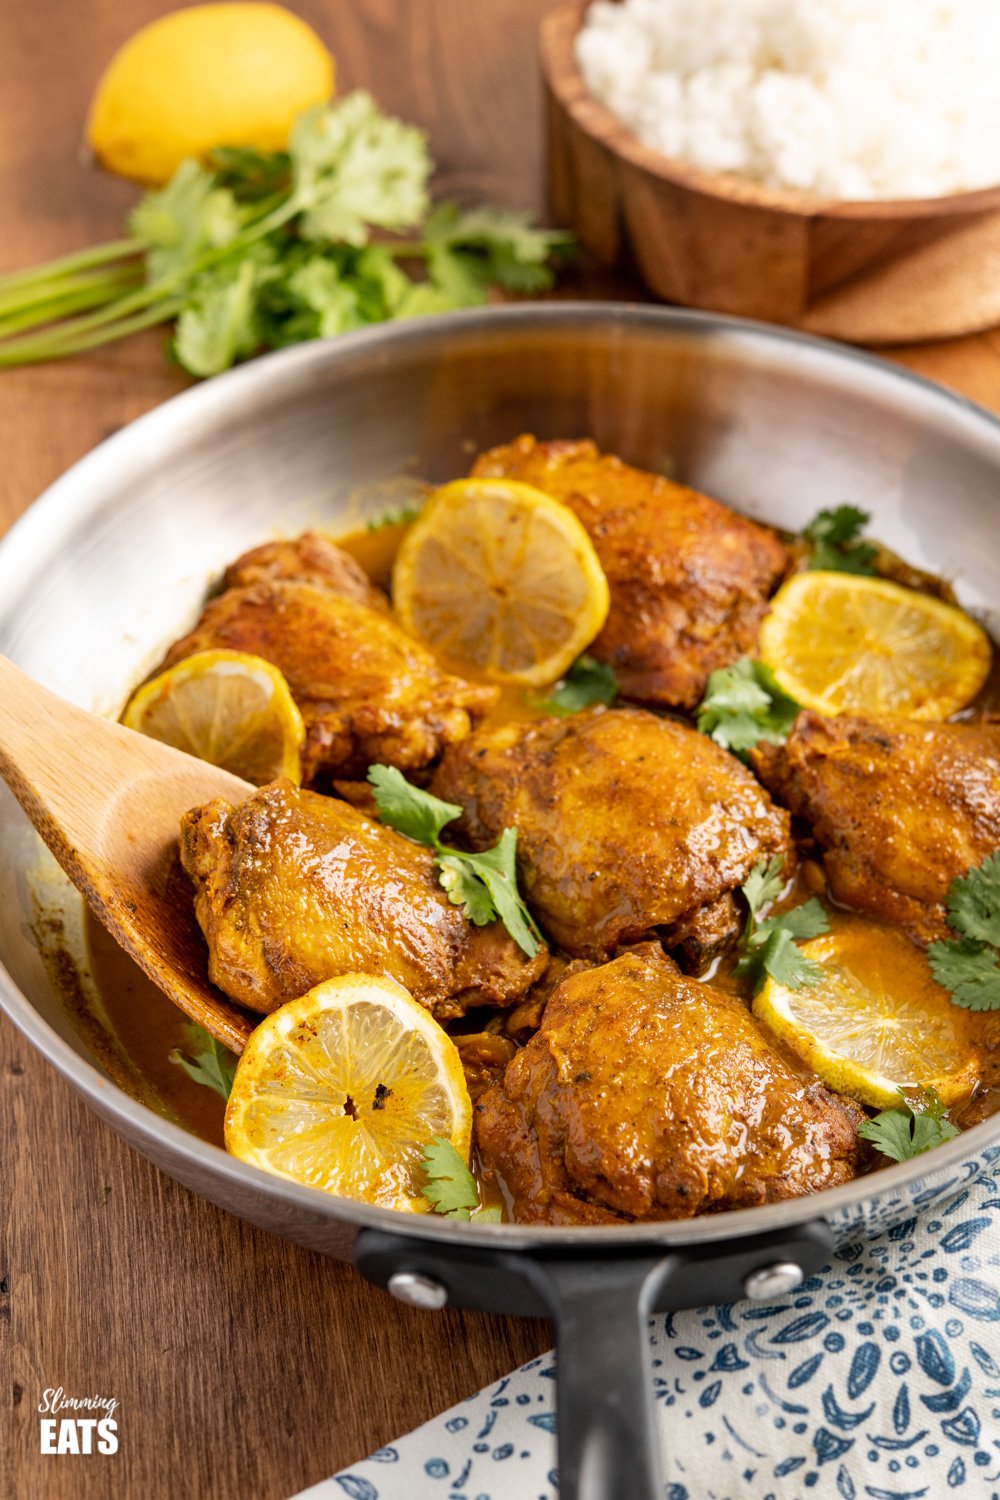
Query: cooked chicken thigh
x=899, y=808
x=627, y=825
x=293, y=888
x=646, y=1095
x=367, y=692
x=689, y=577
x=309, y=558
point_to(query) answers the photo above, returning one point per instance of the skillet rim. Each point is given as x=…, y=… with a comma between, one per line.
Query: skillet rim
x=207, y=403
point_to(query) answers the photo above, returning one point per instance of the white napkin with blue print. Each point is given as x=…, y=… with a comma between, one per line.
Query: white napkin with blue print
x=879, y=1380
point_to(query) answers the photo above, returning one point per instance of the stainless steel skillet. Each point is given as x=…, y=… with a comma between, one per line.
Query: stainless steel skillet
x=114, y=559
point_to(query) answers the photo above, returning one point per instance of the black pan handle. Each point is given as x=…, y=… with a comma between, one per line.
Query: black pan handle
x=608, y=1443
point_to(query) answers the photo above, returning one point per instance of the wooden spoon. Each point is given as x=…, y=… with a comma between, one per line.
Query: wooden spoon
x=108, y=802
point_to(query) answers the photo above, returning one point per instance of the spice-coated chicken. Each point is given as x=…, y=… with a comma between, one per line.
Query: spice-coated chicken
x=309, y=558
x=293, y=888
x=646, y=1095
x=689, y=577
x=628, y=825
x=367, y=692
x=899, y=808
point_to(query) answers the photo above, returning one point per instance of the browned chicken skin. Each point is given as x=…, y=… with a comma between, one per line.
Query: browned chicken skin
x=293, y=888
x=627, y=825
x=646, y=1095
x=899, y=808
x=367, y=692
x=689, y=577
x=309, y=558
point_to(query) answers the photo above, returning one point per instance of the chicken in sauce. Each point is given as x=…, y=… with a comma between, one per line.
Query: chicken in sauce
x=618, y=1074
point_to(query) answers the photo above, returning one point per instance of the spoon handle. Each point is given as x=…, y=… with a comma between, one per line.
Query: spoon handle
x=108, y=803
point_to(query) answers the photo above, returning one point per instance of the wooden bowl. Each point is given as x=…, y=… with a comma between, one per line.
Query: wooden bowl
x=869, y=272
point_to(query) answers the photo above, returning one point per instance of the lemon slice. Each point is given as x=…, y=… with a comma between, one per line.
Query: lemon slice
x=226, y=707
x=343, y=1089
x=501, y=578
x=839, y=643
x=877, y=1021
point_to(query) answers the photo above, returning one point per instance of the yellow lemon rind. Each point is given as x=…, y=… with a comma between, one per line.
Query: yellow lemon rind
x=827, y=603
x=491, y=563
x=278, y=716
x=259, y=1072
x=780, y=1010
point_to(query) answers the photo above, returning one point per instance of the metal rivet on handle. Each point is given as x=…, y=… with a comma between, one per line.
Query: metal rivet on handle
x=773, y=1281
x=418, y=1290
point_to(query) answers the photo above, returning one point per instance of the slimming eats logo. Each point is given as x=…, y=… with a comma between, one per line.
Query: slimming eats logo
x=93, y=1431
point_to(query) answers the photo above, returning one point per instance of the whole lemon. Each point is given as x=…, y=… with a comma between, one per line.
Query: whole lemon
x=211, y=75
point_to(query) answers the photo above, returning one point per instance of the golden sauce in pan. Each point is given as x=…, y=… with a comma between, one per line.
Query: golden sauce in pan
x=147, y=1028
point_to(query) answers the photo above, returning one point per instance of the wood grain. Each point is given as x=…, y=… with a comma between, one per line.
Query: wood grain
x=244, y=1366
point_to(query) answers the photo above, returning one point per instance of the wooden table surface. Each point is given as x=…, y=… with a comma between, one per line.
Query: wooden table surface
x=243, y=1366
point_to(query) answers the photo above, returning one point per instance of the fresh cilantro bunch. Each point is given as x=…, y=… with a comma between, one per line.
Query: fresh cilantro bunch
x=744, y=705
x=902, y=1133
x=451, y=1188
x=967, y=964
x=483, y=885
x=768, y=946
x=587, y=682
x=267, y=249
x=836, y=547
x=211, y=1064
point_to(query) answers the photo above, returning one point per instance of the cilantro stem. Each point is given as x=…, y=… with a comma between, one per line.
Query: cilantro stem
x=66, y=338
x=275, y=247
x=45, y=347
x=82, y=260
x=23, y=299
x=51, y=305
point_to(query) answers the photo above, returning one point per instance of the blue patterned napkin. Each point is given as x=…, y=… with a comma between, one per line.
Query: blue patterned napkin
x=880, y=1380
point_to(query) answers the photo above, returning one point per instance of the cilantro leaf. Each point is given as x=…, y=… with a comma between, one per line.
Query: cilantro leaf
x=769, y=947
x=378, y=275
x=493, y=245
x=187, y=216
x=349, y=171
x=967, y=964
x=394, y=515
x=902, y=1133
x=764, y=885
x=483, y=884
x=457, y=276
x=450, y=1188
x=353, y=167
x=891, y=1132
x=779, y=959
x=497, y=870
x=212, y=1064
x=319, y=285
x=408, y=809
x=806, y=921
x=744, y=705
x=836, y=548
x=974, y=902
x=969, y=969
x=249, y=174
x=218, y=325
x=466, y=889
x=588, y=681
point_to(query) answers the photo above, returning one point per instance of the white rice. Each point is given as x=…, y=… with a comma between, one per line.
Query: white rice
x=846, y=98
